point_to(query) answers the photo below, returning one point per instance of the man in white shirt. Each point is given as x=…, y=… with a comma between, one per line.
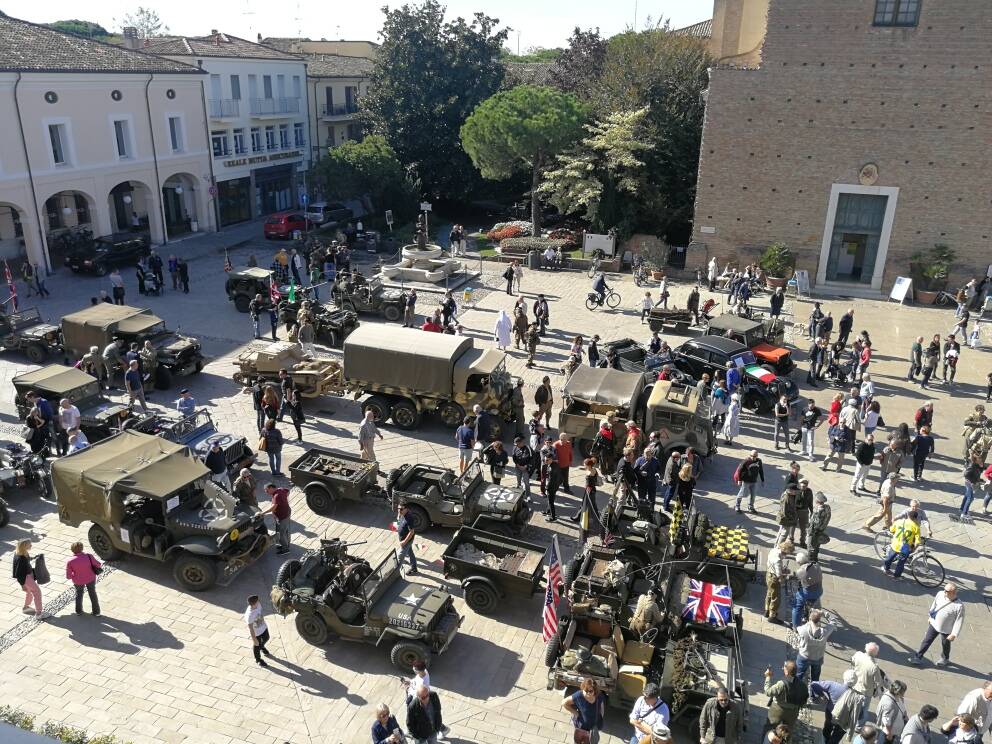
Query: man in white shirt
x=259, y=631
x=978, y=705
x=648, y=711
x=68, y=420
x=946, y=618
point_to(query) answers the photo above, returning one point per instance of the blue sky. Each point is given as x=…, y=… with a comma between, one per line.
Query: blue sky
x=541, y=23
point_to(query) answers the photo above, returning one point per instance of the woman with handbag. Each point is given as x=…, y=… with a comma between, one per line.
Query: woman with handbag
x=587, y=706
x=270, y=404
x=37, y=426
x=82, y=570
x=24, y=572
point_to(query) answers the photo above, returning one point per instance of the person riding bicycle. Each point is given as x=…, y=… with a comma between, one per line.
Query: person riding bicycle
x=810, y=589
x=905, y=539
x=600, y=287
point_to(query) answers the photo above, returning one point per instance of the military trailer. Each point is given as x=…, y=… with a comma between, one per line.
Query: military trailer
x=198, y=432
x=337, y=594
x=312, y=377
x=327, y=476
x=765, y=337
x=407, y=373
x=99, y=324
x=100, y=417
x=244, y=283
x=357, y=294
x=150, y=497
x=711, y=552
x=491, y=568
x=27, y=332
x=436, y=496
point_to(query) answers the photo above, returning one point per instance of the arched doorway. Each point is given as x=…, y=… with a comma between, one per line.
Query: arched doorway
x=69, y=222
x=179, y=200
x=130, y=206
x=12, y=243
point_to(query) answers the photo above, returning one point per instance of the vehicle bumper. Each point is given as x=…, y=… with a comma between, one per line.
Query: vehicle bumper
x=236, y=559
x=188, y=366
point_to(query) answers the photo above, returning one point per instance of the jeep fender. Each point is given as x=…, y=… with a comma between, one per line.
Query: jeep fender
x=483, y=580
x=393, y=631
x=196, y=545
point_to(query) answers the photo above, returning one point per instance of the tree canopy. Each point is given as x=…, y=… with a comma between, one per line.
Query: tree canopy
x=522, y=128
x=580, y=64
x=80, y=28
x=146, y=20
x=429, y=74
x=367, y=168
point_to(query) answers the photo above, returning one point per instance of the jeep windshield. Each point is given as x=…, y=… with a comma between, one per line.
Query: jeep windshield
x=744, y=359
x=381, y=577
x=467, y=480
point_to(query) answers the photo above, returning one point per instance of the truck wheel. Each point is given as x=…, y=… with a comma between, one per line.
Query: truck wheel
x=738, y=584
x=481, y=597
x=198, y=367
x=572, y=570
x=287, y=571
x=320, y=500
x=585, y=447
x=451, y=414
x=406, y=653
x=417, y=518
x=36, y=353
x=163, y=378
x=405, y=415
x=551, y=650
x=195, y=573
x=380, y=407
x=102, y=545
x=392, y=313
x=312, y=628
x=241, y=303
x=753, y=403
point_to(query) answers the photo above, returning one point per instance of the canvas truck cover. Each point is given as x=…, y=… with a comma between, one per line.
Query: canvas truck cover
x=129, y=462
x=475, y=362
x=95, y=325
x=604, y=385
x=403, y=357
x=53, y=379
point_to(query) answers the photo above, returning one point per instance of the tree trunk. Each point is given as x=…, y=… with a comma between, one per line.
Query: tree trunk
x=535, y=204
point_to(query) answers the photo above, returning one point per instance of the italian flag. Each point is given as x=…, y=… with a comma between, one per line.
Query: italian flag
x=760, y=373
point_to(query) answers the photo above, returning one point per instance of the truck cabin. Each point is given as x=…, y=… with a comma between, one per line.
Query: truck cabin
x=482, y=372
x=678, y=409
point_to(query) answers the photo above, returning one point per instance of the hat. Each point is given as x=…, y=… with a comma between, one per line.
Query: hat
x=821, y=498
x=661, y=731
x=184, y=391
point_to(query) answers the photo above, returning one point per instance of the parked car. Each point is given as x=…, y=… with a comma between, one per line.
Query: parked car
x=763, y=336
x=324, y=213
x=282, y=224
x=118, y=249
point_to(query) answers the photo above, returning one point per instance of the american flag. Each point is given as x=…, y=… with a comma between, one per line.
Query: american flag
x=552, y=595
x=10, y=285
x=708, y=603
x=227, y=262
x=274, y=294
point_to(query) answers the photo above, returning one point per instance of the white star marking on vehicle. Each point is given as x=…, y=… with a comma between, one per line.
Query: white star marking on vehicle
x=411, y=599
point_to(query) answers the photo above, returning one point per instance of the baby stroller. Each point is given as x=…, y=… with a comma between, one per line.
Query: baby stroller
x=841, y=373
x=152, y=287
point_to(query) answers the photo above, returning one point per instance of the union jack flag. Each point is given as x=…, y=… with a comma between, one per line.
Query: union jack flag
x=228, y=267
x=10, y=285
x=274, y=294
x=553, y=593
x=708, y=603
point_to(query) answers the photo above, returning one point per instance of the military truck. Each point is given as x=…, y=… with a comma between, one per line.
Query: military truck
x=150, y=497
x=763, y=336
x=357, y=294
x=435, y=496
x=244, y=283
x=407, y=373
x=337, y=594
x=27, y=332
x=99, y=324
x=312, y=377
x=198, y=432
x=100, y=417
x=672, y=409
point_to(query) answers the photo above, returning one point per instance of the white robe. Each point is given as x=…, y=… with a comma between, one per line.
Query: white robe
x=503, y=329
x=732, y=425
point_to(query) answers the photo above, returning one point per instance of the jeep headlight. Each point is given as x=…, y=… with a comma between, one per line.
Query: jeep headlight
x=234, y=535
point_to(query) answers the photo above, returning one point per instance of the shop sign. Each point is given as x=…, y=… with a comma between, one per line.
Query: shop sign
x=262, y=158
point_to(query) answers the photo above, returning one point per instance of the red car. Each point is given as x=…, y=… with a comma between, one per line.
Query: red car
x=282, y=224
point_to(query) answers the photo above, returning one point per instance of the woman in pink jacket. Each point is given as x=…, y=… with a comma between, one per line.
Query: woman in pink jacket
x=81, y=570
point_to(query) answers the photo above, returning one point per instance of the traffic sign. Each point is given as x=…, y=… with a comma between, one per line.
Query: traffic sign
x=389, y=217
x=213, y=191
x=425, y=206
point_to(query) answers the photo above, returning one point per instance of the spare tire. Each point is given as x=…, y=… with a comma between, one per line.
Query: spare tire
x=287, y=571
x=551, y=650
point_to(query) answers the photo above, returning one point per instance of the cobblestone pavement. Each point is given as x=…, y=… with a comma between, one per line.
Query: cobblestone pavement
x=165, y=666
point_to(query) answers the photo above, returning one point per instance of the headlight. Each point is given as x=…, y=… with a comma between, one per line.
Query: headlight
x=37, y=461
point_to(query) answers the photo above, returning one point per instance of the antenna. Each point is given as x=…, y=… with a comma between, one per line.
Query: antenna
x=298, y=19
x=248, y=13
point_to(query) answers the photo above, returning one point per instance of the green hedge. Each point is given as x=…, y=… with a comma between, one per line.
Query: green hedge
x=57, y=731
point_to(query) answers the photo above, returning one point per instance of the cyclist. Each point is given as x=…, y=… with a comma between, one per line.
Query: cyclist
x=600, y=287
x=905, y=538
x=810, y=589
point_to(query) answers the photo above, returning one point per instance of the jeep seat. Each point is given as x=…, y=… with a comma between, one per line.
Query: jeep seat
x=350, y=612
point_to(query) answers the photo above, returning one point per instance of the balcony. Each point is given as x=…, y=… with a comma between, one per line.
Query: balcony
x=274, y=106
x=224, y=108
x=338, y=110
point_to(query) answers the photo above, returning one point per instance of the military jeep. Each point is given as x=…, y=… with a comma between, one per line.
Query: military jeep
x=197, y=431
x=360, y=295
x=312, y=377
x=436, y=496
x=330, y=325
x=100, y=417
x=243, y=284
x=98, y=325
x=25, y=331
x=150, y=497
x=337, y=594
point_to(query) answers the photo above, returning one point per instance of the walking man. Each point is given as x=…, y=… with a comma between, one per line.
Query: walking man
x=747, y=475
x=865, y=456
x=788, y=696
x=135, y=385
x=259, y=631
x=410, y=310
x=255, y=309
x=405, y=535
x=545, y=399
x=844, y=326
x=423, y=716
x=281, y=510
x=776, y=573
x=946, y=618
x=367, y=433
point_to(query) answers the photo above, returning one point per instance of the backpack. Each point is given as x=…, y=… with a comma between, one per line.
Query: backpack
x=797, y=693
x=508, y=274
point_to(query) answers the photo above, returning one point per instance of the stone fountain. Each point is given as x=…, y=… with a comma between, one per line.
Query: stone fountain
x=422, y=261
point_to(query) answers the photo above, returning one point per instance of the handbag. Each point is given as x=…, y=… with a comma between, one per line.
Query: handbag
x=97, y=570
x=262, y=444
x=41, y=574
x=796, y=437
x=581, y=736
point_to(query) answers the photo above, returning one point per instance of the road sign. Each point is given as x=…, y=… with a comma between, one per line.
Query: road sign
x=389, y=217
x=425, y=206
x=305, y=199
x=213, y=191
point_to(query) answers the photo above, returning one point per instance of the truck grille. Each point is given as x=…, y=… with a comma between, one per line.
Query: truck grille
x=444, y=625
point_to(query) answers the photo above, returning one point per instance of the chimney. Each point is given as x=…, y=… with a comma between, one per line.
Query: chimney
x=130, y=37
x=259, y=38
x=216, y=38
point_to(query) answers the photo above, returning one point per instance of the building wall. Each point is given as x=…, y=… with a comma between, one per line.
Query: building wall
x=833, y=94
x=738, y=31
x=332, y=131
x=84, y=106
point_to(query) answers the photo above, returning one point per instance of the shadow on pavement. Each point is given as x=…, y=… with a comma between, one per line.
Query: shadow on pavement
x=312, y=682
x=99, y=632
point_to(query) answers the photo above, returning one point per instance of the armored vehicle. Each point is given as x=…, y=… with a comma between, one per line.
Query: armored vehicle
x=764, y=337
x=26, y=331
x=331, y=326
x=337, y=594
x=407, y=373
x=436, y=496
x=197, y=431
x=100, y=417
x=99, y=324
x=312, y=377
x=327, y=476
x=150, y=497
x=360, y=295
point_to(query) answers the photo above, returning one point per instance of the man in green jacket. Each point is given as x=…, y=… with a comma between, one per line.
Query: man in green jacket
x=788, y=696
x=721, y=719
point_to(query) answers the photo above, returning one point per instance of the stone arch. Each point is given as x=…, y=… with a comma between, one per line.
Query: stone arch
x=69, y=217
x=183, y=204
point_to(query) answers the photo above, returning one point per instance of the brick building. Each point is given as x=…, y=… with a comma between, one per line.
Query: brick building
x=861, y=135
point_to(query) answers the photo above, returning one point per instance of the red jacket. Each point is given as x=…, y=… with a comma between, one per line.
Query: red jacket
x=79, y=569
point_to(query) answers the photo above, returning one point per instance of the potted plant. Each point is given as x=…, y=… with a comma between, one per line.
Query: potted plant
x=655, y=256
x=777, y=262
x=929, y=272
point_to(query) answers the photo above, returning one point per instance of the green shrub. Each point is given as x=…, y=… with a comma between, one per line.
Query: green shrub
x=777, y=260
x=930, y=270
x=16, y=718
x=64, y=733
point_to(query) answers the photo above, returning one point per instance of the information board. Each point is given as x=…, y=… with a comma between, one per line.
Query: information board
x=900, y=289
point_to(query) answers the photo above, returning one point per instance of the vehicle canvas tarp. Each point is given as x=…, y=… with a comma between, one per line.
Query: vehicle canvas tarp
x=90, y=327
x=605, y=386
x=138, y=323
x=253, y=272
x=129, y=462
x=476, y=362
x=55, y=380
x=403, y=357
x=666, y=395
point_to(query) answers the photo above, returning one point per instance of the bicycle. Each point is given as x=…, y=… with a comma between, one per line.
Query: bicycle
x=612, y=299
x=828, y=617
x=597, y=259
x=945, y=299
x=926, y=568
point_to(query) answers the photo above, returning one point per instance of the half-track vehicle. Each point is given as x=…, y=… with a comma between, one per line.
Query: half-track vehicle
x=334, y=593
x=98, y=325
x=358, y=294
x=436, y=496
x=328, y=476
x=198, y=432
x=149, y=497
x=26, y=331
x=313, y=377
x=765, y=337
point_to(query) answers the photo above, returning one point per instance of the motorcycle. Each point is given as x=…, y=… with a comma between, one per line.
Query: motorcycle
x=21, y=468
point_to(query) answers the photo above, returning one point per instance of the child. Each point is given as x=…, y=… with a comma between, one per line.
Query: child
x=646, y=305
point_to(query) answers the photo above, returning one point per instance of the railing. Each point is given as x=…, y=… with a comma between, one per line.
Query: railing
x=269, y=106
x=339, y=109
x=223, y=108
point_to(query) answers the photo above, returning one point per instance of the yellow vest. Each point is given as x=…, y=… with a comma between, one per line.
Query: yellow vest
x=905, y=531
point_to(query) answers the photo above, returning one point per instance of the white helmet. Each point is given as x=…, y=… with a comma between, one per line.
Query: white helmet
x=802, y=557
